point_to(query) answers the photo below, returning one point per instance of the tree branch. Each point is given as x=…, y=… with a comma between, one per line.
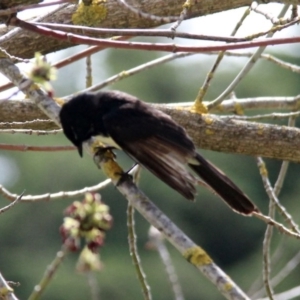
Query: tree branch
x=113, y=15
x=208, y=131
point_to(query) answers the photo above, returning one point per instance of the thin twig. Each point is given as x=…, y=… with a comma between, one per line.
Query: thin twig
x=284, y=166
x=54, y=196
x=157, y=239
x=30, y=131
x=136, y=70
x=289, y=294
x=69, y=60
x=204, y=88
x=186, y=7
x=6, y=291
x=269, y=231
x=246, y=69
x=25, y=123
x=49, y=273
x=273, y=29
x=93, y=283
x=144, y=15
x=143, y=32
x=89, y=75
x=29, y=88
x=289, y=267
x=168, y=47
x=7, y=207
x=134, y=254
x=281, y=228
x=132, y=238
x=264, y=116
x=24, y=148
x=268, y=16
x=272, y=196
x=267, y=244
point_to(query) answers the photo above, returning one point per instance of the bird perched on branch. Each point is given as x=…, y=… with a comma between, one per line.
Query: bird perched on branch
x=151, y=138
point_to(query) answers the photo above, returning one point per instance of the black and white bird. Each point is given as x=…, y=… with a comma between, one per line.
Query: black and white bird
x=151, y=138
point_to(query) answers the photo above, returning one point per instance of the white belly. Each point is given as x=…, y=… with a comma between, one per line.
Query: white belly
x=107, y=141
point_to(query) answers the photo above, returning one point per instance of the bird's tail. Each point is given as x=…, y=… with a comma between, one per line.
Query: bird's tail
x=223, y=186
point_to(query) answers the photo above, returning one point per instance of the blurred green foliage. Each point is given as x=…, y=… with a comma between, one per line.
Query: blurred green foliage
x=29, y=232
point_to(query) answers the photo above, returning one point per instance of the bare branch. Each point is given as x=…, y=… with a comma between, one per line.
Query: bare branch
x=191, y=251
x=9, y=206
x=49, y=274
x=55, y=196
x=208, y=131
x=36, y=148
x=6, y=292
x=167, y=47
x=113, y=16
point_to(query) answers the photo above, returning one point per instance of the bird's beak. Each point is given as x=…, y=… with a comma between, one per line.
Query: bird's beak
x=79, y=148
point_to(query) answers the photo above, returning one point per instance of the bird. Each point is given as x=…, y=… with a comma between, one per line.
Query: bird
x=151, y=138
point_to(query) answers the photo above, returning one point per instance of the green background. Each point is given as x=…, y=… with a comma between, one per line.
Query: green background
x=29, y=237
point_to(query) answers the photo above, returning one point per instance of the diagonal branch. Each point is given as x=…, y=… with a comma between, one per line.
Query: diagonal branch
x=192, y=252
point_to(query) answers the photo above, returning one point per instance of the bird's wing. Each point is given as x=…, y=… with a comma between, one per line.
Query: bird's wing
x=157, y=143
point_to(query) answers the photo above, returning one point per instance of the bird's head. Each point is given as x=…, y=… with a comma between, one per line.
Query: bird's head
x=77, y=124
